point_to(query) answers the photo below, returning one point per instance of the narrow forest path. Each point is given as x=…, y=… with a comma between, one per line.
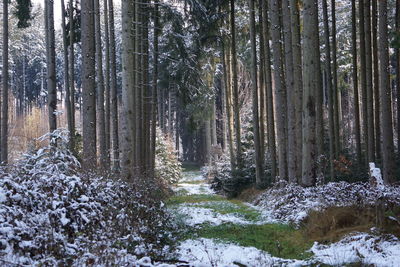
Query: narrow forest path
x=221, y=232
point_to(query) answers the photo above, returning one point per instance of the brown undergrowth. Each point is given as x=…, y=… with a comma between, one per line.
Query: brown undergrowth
x=333, y=223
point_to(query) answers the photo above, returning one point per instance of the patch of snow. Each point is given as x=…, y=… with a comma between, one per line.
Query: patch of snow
x=207, y=252
x=360, y=247
x=193, y=216
x=376, y=176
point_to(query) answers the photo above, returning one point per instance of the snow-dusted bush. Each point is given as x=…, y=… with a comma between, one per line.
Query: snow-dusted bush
x=290, y=203
x=167, y=168
x=51, y=215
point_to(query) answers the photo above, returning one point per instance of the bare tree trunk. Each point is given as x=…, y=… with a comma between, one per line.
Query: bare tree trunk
x=291, y=107
x=298, y=80
x=363, y=77
x=228, y=101
x=88, y=85
x=377, y=126
x=72, y=71
x=269, y=94
x=385, y=94
x=256, y=121
x=280, y=90
x=370, y=96
x=397, y=53
x=329, y=90
x=5, y=78
x=128, y=91
x=155, y=85
x=107, y=82
x=357, y=132
x=261, y=86
x=113, y=89
x=310, y=86
x=66, y=73
x=235, y=88
x=335, y=88
x=100, y=90
x=51, y=65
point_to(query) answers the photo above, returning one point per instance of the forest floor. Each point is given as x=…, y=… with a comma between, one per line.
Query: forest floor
x=228, y=232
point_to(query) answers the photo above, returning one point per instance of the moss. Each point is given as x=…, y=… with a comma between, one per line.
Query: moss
x=233, y=207
x=277, y=239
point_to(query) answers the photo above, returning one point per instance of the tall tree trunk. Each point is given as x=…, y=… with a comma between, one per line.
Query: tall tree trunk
x=4, y=103
x=280, y=92
x=128, y=91
x=66, y=73
x=291, y=111
x=385, y=94
x=228, y=100
x=71, y=65
x=88, y=85
x=107, y=82
x=235, y=87
x=311, y=70
x=377, y=126
x=329, y=90
x=268, y=93
x=355, y=81
x=363, y=78
x=397, y=54
x=261, y=85
x=51, y=65
x=100, y=91
x=113, y=89
x=335, y=88
x=256, y=121
x=298, y=79
x=155, y=85
x=370, y=96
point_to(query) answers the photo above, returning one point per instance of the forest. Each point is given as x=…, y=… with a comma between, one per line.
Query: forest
x=185, y=133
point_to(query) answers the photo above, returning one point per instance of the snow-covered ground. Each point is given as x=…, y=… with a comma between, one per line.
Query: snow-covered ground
x=356, y=248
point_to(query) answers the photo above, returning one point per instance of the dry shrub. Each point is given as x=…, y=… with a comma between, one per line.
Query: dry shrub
x=250, y=194
x=333, y=223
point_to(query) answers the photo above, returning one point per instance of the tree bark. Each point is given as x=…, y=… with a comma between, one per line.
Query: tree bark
x=235, y=88
x=385, y=95
x=5, y=78
x=107, y=82
x=66, y=73
x=88, y=85
x=329, y=90
x=51, y=65
x=280, y=91
x=291, y=111
x=269, y=94
x=298, y=79
x=377, y=126
x=311, y=70
x=256, y=121
x=370, y=96
x=357, y=132
x=113, y=90
x=363, y=78
x=71, y=65
x=335, y=88
x=101, y=126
